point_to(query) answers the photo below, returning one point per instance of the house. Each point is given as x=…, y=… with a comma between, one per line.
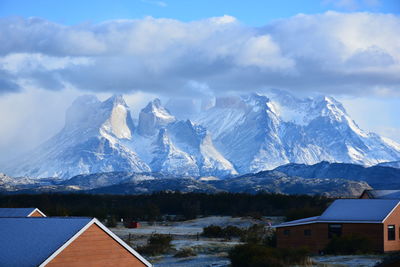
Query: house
x=63, y=241
x=21, y=212
x=376, y=219
x=380, y=194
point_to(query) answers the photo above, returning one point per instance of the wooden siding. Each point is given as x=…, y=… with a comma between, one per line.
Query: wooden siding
x=296, y=238
x=94, y=247
x=392, y=219
x=318, y=239
x=36, y=214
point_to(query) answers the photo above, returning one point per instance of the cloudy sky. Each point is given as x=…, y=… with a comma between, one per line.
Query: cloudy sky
x=54, y=51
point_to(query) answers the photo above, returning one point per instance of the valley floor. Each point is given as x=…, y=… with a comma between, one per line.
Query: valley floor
x=213, y=252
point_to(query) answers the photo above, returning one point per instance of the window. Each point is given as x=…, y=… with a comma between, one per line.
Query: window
x=391, y=232
x=286, y=232
x=307, y=232
x=334, y=230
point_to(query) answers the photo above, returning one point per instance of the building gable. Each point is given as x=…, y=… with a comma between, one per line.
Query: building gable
x=36, y=213
x=96, y=241
x=95, y=247
x=20, y=212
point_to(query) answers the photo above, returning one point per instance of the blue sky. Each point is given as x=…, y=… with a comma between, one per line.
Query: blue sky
x=253, y=12
x=53, y=51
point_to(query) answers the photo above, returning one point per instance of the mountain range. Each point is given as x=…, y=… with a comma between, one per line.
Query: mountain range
x=379, y=177
x=146, y=183
x=233, y=136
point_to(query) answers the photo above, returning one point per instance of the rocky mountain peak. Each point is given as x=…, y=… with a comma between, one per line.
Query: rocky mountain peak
x=247, y=133
x=118, y=119
x=153, y=117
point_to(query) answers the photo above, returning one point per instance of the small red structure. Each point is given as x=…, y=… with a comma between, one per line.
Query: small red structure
x=133, y=224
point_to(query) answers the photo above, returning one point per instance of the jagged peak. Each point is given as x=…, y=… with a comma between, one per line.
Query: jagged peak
x=256, y=99
x=154, y=116
x=89, y=115
x=114, y=100
x=153, y=105
x=327, y=100
x=329, y=107
x=158, y=110
x=240, y=102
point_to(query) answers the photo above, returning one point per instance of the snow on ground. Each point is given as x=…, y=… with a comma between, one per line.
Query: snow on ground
x=198, y=261
x=162, y=229
x=205, y=245
x=192, y=227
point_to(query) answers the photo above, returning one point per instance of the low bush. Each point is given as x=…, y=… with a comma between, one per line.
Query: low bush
x=349, y=245
x=255, y=234
x=232, y=231
x=213, y=231
x=157, y=244
x=185, y=252
x=253, y=255
x=218, y=232
x=111, y=222
x=270, y=239
x=390, y=260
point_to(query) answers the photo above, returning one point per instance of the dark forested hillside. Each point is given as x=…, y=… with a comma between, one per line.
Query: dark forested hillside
x=152, y=207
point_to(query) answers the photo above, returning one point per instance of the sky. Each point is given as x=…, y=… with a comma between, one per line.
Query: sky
x=53, y=51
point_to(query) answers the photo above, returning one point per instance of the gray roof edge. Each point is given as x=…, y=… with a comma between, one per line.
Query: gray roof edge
x=387, y=216
x=322, y=221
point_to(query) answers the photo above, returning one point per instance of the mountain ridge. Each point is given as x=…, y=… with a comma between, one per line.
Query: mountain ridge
x=237, y=135
x=146, y=183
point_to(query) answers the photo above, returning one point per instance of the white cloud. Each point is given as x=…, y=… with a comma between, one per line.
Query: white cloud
x=331, y=53
x=22, y=62
x=261, y=51
x=44, y=66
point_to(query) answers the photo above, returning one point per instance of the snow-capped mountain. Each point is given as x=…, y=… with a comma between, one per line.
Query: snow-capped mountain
x=257, y=132
x=176, y=146
x=101, y=137
x=91, y=141
x=235, y=135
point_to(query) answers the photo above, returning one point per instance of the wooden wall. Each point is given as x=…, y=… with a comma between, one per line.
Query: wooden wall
x=95, y=247
x=319, y=235
x=392, y=219
x=36, y=214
